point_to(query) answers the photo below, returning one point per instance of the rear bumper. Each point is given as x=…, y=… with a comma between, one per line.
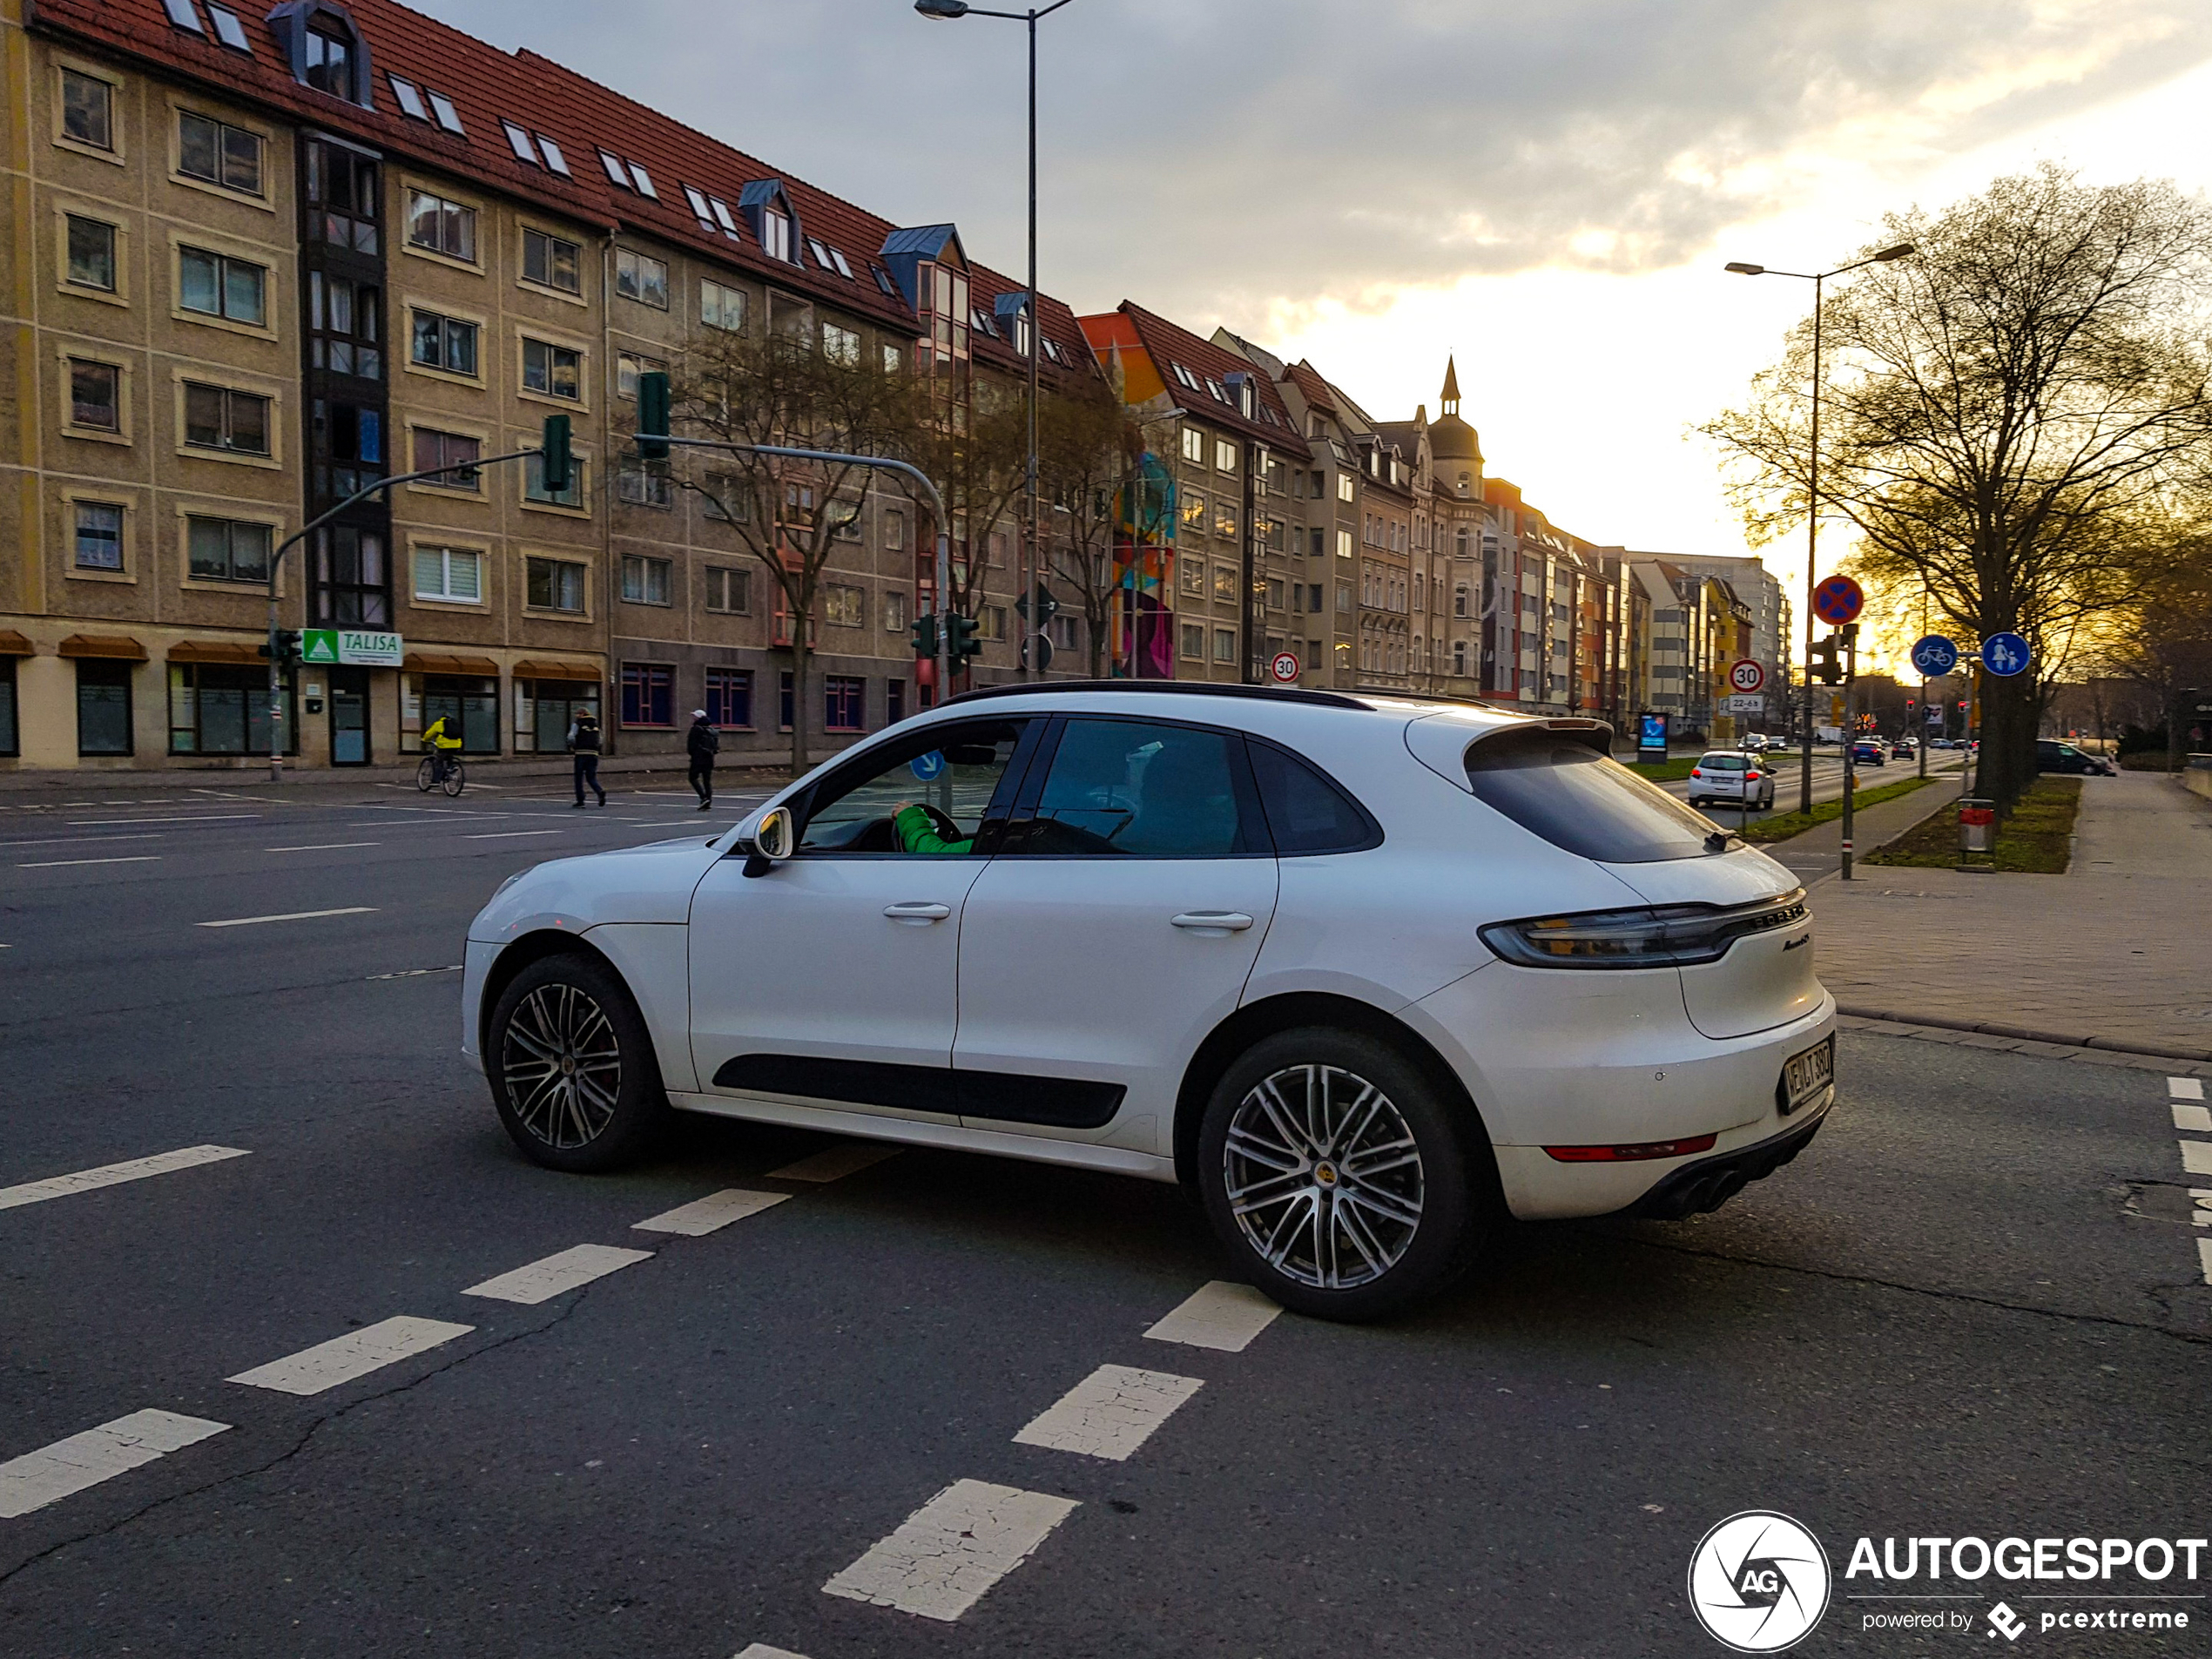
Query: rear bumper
x=1706, y=1183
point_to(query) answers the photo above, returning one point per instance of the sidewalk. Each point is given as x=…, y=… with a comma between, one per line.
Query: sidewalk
x=2116, y=954
x=33, y=790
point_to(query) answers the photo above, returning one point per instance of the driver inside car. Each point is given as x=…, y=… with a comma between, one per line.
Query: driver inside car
x=918, y=835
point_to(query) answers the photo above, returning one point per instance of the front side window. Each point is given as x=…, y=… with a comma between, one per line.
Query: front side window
x=442, y=227
x=1575, y=797
x=1138, y=788
x=444, y=342
x=554, y=584
x=219, y=153
x=217, y=286
x=926, y=796
x=554, y=370
x=223, y=550
x=452, y=575
x=552, y=261
x=99, y=535
x=95, y=396
x=91, y=253
x=88, y=108
x=642, y=278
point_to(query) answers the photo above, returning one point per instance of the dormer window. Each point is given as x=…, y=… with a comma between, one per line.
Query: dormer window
x=325, y=50
x=330, y=62
x=775, y=234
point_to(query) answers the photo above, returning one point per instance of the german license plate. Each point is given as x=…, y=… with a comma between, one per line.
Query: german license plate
x=1805, y=1076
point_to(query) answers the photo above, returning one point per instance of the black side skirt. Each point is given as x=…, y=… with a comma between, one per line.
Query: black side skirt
x=1009, y=1097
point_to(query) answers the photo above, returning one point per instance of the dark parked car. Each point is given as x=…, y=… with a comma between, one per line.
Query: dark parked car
x=1867, y=752
x=2051, y=755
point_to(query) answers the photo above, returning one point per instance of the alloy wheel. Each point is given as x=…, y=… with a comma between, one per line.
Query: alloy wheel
x=563, y=1065
x=1323, y=1177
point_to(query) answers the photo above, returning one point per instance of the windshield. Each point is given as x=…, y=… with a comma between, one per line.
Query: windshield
x=1722, y=763
x=1577, y=799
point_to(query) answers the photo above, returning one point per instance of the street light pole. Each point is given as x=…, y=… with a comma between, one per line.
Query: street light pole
x=1813, y=484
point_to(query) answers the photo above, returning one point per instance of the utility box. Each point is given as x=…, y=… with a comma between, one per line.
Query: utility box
x=1977, y=833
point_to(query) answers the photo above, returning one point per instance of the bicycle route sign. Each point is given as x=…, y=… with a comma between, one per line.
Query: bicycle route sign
x=1934, y=656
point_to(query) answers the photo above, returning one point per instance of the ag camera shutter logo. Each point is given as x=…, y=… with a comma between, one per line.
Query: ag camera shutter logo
x=1758, y=1582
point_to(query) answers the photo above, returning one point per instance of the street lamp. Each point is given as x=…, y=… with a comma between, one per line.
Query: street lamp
x=949, y=10
x=1813, y=474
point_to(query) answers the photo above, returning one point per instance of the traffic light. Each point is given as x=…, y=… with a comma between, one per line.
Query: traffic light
x=288, y=645
x=556, y=461
x=923, y=632
x=1825, y=663
x=652, y=415
x=961, y=641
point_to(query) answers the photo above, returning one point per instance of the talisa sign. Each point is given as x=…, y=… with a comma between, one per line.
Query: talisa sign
x=352, y=646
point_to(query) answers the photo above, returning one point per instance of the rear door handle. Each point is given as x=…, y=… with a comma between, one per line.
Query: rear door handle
x=917, y=912
x=1212, y=922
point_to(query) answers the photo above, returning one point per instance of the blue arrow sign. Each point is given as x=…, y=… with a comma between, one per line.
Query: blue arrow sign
x=1934, y=656
x=927, y=767
x=2005, y=655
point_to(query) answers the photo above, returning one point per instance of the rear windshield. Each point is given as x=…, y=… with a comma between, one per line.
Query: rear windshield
x=1577, y=799
x=1722, y=763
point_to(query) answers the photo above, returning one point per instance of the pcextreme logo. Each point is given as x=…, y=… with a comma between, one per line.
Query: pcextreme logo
x=1758, y=1582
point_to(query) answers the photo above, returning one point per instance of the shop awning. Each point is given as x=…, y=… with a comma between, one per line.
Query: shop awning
x=537, y=670
x=424, y=662
x=103, y=645
x=14, y=644
x=217, y=650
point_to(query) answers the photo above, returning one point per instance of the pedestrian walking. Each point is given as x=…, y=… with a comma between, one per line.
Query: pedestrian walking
x=703, y=742
x=584, y=744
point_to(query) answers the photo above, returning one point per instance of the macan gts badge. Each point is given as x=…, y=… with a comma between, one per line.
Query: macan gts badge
x=1369, y=975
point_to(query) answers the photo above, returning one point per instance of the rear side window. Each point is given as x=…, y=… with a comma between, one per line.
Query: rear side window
x=1579, y=799
x=1306, y=811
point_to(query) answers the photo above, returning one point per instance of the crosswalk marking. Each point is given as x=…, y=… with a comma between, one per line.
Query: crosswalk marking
x=2185, y=1088
x=355, y=1354
x=290, y=915
x=1109, y=1414
x=703, y=1216
x=52, y=1472
x=109, y=1175
x=2189, y=1115
x=945, y=1557
x=541, y=1281
x=2196, y=1157
x=1221, y=1315
x=2204, y=1257
x=835, y=1163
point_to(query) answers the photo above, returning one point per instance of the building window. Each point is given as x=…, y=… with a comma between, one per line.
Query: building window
x=1225, y=455
x=641, y=484
x=1224, y=645
x=99, y=535
x=102, y=706
x=444, y=342
x=442, y=227
x=1224, y=521
x=729, y=592
x=345, y=186
x=554, y=584
x=223, y=710
x=784, y=699
x=894, y=612
x=1345, y=488
x=726, y=498
x=647, y=694
x=327, y=63
x=470, y=707
x=554, y=370
x=1194, y=577
x=452, y=575
x=645, y=581
x=225, y=549
x=88, y=109
x=218, y=418
x=348, y=441
x=1344, y=544
x=729, y=698
x=845, y=703
x=11, y=739
x=775, y=240
x=344, y=322
x=1344, y=597
x=629, y=366
x=1274, y=593
x=1194, y=446
x=352, y=585
x=1225, y=583
x=641, y=277
x=1194, y=641
x=843, y=606
x=552, y=261
x=841, y=345
x=436, y=450
x=219, y=153
x=534, y=483
x=990, y=623
x=720, y=307
x=894, y=530
x=218, y=286
x=91, y=253
x=894, y=701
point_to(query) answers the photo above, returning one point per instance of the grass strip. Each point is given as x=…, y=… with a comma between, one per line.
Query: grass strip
x=1665, y=771
x=2035, y=840
x=1782, y=826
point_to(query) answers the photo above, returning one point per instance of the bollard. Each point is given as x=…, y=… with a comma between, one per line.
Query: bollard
x=1977, y=834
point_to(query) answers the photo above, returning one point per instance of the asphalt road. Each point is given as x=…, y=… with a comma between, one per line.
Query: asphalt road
x=1973, y=1307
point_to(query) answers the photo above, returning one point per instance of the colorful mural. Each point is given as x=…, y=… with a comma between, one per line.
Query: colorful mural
x=1143, y=613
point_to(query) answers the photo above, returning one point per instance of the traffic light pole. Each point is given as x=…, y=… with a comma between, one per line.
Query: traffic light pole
x=1850, y=631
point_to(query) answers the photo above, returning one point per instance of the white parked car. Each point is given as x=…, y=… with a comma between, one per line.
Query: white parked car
x=1371, y=974
x=1732, y=775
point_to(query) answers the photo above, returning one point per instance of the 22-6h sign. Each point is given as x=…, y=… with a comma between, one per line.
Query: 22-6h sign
x=1747, y=676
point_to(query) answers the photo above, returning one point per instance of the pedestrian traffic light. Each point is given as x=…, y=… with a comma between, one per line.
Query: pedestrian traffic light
x=556, y=461
x=1824, y=663
x=924, y=634
x=652, y=414
x=960, y=639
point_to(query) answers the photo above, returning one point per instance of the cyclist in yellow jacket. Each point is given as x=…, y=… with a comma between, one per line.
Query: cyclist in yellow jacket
x=442, y=749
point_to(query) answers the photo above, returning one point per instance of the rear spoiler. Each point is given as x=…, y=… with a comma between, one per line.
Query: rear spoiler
x=1443, y=747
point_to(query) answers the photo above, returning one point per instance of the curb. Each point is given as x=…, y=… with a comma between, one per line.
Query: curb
x=2021, y=1033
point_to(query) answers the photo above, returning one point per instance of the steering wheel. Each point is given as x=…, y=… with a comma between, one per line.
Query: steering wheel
x=945, y=828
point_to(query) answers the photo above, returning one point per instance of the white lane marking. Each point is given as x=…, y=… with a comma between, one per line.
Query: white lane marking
x=762, y=1650
x=110, y=1175
x=834, y=1164
x=946, y=1555
x=1220, y=1315
x=355, y=1354
x=2196, y=1157
x=1109, y=1414
x=703, y=1216
x=2189, y=1115
x=2204, y=1257
x=321, y=846
x=292, y=915
x=204, y=818
x=39, y=1478
x=563, y=1271
x=2185, y=1088
x=68, y=864
x=413, y=972
x=85, y=841
x=506, y=835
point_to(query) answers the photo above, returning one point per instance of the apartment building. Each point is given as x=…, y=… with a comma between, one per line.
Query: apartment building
x=269, y=260
x=1771, y=620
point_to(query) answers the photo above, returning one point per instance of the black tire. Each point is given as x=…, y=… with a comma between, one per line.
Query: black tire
x=581, y=1118
x=1290, y=1241
x=457, y=779
x=426, y=776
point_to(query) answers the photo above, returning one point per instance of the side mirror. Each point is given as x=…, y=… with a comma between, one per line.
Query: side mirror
x=771, y=842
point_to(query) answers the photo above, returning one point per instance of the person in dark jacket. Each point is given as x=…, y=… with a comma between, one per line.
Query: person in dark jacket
x=584, y=744
x=703, y=742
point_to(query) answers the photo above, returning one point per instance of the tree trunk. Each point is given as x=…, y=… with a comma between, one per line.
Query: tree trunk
x=799, y=614
x=2008, y=721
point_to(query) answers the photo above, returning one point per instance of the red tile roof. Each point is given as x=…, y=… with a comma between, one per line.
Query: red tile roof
x=1167, y=345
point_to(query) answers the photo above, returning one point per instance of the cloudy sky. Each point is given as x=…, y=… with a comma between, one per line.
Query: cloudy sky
x=1549, y=191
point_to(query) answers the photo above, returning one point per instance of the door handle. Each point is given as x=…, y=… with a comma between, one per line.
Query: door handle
x=918, y=911
x=1212, y=922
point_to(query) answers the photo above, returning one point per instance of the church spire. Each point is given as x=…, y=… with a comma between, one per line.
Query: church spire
x=1451, y=398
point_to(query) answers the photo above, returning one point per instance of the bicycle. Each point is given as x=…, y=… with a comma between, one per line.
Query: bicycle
x=427, y=776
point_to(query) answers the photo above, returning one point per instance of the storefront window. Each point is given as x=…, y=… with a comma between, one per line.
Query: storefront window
x=468, y=706
x=221, y=709
x=103, y=707
x=545, y=709
x=9, y=743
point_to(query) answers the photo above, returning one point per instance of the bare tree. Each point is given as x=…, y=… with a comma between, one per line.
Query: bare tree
x=980, y=460
x=786, y=390
x=2003, y=415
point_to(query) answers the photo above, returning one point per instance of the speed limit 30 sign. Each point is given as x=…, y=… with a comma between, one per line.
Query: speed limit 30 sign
x=1284, y=666
x=1747, y=676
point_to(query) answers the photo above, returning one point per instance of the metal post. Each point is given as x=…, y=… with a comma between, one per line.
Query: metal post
x=1850, y=722
x=1033, y=621
x=1812, y=565
x=1920, y=737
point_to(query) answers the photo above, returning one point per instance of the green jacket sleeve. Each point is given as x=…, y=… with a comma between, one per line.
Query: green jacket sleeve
x=916, y=836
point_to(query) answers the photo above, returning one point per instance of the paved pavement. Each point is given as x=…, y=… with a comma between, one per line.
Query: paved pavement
x=2119, y=949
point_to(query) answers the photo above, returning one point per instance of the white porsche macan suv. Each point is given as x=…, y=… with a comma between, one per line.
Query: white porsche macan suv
x=1368, y=973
